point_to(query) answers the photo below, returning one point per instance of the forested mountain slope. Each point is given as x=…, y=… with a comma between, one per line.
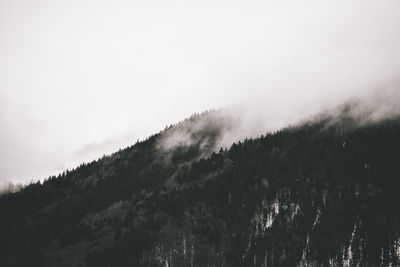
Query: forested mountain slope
x=322, y=193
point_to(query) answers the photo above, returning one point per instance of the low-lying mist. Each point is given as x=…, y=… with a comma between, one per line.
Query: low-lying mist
x=216, y=129
x=212, y=130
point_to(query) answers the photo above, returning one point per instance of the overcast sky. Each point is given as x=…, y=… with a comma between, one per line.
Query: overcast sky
x=82, y=78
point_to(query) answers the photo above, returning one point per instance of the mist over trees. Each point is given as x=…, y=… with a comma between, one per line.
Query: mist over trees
x=320, y=193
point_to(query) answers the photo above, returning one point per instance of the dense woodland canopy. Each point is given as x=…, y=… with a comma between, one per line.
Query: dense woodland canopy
x=322, y=193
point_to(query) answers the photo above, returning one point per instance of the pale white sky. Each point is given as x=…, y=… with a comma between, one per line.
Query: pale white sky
x=82, y=78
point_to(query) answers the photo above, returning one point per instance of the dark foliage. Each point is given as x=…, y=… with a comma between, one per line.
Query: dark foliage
x=315, y=194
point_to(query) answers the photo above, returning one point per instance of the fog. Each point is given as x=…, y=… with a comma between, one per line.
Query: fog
x=80, y=79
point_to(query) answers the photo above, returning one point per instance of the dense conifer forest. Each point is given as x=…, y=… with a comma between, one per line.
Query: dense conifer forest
x=320, y=193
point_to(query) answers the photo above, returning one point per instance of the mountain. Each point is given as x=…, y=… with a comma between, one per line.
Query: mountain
x=323, y=192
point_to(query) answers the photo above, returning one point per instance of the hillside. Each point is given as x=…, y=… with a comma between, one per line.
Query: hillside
x=321, y=193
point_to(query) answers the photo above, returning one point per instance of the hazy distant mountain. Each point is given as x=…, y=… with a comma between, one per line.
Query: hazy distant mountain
x=321, y=193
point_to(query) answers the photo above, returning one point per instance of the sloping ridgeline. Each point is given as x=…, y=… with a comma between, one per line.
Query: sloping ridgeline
x=318, y=194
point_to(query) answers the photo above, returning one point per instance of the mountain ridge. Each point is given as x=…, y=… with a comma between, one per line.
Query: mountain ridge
x=272, y=200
